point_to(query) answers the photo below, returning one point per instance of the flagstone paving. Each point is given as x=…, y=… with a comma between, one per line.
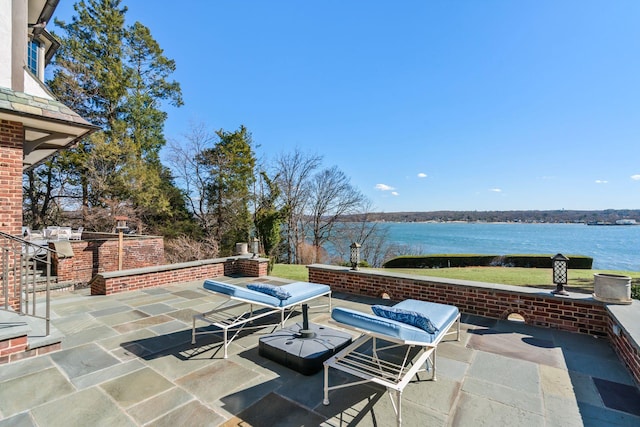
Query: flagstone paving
x=127, y=360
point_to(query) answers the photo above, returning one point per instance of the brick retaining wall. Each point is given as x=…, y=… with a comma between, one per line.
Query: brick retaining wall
x=575, y=313
x=149, y=277
x=94, y=256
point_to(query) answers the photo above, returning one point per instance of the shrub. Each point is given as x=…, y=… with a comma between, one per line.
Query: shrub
x=471, y=260
x=439, y=261
x=544, y=261
x=185, y=248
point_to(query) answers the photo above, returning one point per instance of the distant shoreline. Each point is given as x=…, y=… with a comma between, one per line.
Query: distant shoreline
x=528, y=217
x=612, y=248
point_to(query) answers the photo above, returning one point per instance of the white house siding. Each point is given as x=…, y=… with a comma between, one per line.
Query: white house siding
x=34, y=87
x=5, y=43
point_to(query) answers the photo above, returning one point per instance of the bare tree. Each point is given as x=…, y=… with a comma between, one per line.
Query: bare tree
x=190, y=174
x=331, y=195
x=372, y=235
x=183, y=249
x=294, y=172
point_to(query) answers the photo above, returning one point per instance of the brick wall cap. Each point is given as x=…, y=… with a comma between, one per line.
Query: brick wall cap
x=628, y=317
x=167, y=267
x=522, y=290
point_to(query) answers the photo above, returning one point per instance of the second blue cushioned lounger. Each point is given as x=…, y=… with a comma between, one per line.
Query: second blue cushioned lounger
x=221, y=317
x=391, y=352
x=440, y=314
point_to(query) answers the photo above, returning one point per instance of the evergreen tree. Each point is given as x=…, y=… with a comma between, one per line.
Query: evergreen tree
x=231, y=162
x=268, y=218
x=117, y=77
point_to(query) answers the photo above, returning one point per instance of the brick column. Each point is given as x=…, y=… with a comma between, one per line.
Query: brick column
x=11, y=143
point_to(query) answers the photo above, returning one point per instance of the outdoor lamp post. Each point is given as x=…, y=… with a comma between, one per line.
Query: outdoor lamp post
x=121, y=225
x=560, y=266
x=355, y=255
x=255, y=247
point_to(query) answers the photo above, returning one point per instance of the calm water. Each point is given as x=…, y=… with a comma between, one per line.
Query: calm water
x=612, y=247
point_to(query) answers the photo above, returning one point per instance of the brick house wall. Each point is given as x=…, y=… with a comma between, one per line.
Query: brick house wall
x=11, y=143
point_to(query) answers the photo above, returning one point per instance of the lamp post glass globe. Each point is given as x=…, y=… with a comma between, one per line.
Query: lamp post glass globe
x=355, y=255
x=560, y=265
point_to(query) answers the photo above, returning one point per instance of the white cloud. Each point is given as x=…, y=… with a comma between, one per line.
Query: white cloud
x=422, y=175
x=496, y=190
x=394, y=193
x=635, y=177
x=384, y=187
x=601, y=181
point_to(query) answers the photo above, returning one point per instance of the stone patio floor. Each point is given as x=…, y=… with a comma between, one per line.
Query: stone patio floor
x=127, y=360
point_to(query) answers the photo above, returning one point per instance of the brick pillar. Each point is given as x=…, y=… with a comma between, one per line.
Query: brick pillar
x=11, y=143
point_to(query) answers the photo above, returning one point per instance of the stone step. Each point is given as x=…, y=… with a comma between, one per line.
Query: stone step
x=14, y=325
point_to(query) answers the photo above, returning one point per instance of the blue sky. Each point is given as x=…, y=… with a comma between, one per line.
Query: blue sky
x=425, y=105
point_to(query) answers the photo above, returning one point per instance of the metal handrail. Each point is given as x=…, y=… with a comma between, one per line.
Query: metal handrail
x=20, y=258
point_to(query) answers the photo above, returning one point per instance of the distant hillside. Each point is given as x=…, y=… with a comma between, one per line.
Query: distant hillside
x=555, y=216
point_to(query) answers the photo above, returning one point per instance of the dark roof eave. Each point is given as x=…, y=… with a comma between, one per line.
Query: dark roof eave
x=55, y=45
x=83, y=124
x=70, y=144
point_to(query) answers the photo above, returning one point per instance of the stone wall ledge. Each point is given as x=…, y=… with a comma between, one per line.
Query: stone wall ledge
x=167, y=267
x=108, y=283
x=628, y=316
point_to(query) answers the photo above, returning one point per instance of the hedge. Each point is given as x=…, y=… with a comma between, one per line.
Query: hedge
x=472, y=260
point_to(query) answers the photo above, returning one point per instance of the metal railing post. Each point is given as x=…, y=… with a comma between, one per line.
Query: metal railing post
x=19, y=250
x=5, y=277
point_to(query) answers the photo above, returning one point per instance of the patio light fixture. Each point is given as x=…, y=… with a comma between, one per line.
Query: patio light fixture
x=560, y=265
x=355, y=255
x=121, y=223
x=121, y=226
x=255, y=247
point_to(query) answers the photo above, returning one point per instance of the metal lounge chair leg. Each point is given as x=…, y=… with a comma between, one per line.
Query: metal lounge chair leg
x=399, y=403
x=325, y=401
x=225, y=333
x=434, y=365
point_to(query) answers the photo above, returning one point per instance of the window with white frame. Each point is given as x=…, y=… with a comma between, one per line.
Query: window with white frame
x=32, y=56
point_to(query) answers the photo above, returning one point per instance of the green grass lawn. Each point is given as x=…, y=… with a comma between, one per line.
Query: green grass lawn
x=579, y=280
x=291, y=272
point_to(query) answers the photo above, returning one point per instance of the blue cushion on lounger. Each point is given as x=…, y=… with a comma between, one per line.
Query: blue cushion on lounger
x=300, y=291
x=409, y=317
x=241, y=292
x=373, y=323
x=268, y=289
x=441, y=316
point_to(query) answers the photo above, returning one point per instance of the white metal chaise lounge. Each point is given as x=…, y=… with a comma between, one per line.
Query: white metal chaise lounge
x=391, y=352
x=268, y=299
